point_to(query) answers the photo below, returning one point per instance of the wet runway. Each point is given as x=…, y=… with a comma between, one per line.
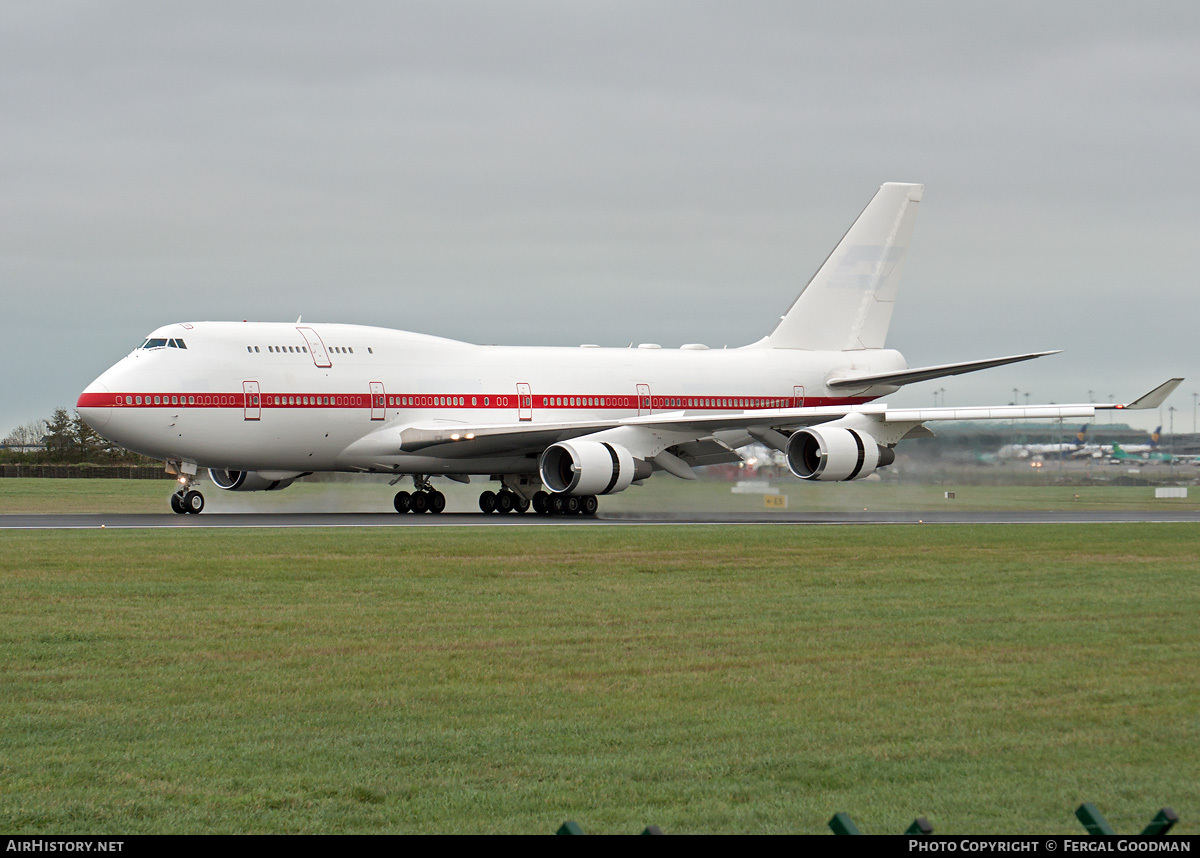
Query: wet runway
x=243, y=520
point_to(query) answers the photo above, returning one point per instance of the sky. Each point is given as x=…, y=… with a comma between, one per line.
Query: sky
x=548, y=173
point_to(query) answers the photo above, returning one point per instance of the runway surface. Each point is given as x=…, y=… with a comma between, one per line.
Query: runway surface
x=243, y=520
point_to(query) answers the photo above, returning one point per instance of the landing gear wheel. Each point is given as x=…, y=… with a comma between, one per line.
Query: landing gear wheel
x=177, y=505
x=419, y=502
x=504, y=503
x=437, y=503
x=571, y=505
x=487, y=501
x=520, y=504
x=588, y=505
x=193, y=502
x=402, y=502
x=541, y=503
x=558, y=505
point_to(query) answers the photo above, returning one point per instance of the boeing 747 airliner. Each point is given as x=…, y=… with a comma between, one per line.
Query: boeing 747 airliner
x=260, y=405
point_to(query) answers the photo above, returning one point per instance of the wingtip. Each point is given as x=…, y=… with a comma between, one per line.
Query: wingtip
x=1156, y=397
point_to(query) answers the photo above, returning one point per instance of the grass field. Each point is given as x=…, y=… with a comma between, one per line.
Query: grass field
x=702, y=679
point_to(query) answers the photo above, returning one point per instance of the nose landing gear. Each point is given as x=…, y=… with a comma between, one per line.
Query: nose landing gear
x=186, y=499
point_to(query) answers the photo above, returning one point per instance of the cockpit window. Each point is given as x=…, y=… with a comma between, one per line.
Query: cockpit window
x=162, y=343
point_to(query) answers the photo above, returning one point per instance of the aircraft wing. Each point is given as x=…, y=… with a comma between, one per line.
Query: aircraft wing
x=649, y=435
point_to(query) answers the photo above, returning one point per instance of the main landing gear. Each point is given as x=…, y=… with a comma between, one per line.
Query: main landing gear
x=543, y=503
x=503, y=502
x=187, y=499
x=425, y=499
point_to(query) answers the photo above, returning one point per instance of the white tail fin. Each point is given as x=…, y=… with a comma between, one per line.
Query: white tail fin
x=848, y=303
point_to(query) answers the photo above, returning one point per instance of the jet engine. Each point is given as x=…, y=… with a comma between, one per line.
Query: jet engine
x=834, y=453
x=252, y=481
x=590, y=468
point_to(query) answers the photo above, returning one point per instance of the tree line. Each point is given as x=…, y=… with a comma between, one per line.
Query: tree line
x=63, y=439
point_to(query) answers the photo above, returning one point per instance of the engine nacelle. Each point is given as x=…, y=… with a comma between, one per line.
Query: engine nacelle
x=589, y=468
x=834, y=453
x=251, y=481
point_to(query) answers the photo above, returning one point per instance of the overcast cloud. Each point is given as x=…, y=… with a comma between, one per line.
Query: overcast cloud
x=558, y=173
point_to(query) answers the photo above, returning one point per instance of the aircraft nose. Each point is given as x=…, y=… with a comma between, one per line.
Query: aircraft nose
x=95, y=405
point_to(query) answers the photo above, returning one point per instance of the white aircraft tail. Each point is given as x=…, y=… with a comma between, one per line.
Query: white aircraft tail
x=847, y=305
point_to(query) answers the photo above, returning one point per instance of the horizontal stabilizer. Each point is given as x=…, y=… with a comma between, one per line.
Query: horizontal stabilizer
x=925, y=373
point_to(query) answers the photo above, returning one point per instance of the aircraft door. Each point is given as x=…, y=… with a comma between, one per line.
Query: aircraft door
x=316, y=347
x=251, y=401
x=524, y=402
x=798, y=393
x=378, y=403
x=643, y=398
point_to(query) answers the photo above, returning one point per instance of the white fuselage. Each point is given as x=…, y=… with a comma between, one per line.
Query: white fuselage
x=273, y=396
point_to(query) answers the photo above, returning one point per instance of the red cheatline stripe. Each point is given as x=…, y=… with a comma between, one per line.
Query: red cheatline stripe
x=428, y=400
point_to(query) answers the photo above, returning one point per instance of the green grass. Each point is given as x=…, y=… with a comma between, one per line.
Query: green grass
x=702, y=679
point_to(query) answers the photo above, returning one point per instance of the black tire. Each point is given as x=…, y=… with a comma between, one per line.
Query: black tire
x=571, y=505
x=541, y=503
x=402, y=502
x=588, y=505
x=419, y=502
x=437, y=503
x=487, y=501
x=520, y=504
x=177, y=506
x=193, y=502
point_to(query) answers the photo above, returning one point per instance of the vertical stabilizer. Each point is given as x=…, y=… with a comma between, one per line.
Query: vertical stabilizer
x=847, y=305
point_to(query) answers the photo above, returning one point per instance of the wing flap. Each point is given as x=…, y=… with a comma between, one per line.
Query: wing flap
x=999, y=412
